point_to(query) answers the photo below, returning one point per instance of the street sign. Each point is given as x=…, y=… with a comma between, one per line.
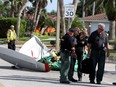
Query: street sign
x=69, y=11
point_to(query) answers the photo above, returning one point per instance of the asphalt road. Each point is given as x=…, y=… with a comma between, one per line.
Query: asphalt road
x=26, y=78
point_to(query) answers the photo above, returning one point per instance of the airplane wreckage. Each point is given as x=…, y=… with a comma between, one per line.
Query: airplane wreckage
x=34, y=55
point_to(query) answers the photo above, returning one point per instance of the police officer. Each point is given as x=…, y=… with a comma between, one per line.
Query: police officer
x=67, y=47
x=73, y=60
x=97, y=46
x=82, y=39
x=11, y=37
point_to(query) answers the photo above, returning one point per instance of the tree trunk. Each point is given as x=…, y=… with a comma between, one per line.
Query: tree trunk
x=83, y=11
x=35, y=16
x=12, y=9
x=112, y=30
x=75, y=3
x=19, y=18
x=61, y=5
x=93, y=9
x=38, y=16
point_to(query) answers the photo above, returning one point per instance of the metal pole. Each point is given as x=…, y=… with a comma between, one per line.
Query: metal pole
x=58, y=27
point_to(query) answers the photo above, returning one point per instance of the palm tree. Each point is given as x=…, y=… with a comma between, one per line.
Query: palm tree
x=61, y=5
x=110, y=9
x=39, y=5
x=75, y=3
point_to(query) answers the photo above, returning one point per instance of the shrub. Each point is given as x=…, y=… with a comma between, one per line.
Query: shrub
x=5, y=24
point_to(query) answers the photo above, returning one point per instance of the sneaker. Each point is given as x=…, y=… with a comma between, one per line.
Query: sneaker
x=92, y=82
x=73, y=80
x=65, y=82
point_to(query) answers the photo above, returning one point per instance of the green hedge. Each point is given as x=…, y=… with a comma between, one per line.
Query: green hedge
x=5, y=25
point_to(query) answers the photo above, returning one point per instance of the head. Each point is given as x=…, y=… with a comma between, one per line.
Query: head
x=101, y=27
x=12, y=27
x=77, y=31
x=71, y=31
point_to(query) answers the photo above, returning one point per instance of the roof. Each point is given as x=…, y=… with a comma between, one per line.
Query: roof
x=96, y=17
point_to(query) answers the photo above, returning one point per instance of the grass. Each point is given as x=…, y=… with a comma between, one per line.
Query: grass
x=112, y=52
x=46, y=42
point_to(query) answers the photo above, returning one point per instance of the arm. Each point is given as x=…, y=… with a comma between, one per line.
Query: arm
x=89, y=49
x=107, y=50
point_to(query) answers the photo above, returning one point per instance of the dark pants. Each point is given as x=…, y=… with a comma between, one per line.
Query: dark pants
x=71, y=70
x=11, y=45
x=79, y=52
x=65, y=65
x=98, y=57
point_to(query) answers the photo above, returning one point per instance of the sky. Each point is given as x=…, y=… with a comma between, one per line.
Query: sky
x=53, y=6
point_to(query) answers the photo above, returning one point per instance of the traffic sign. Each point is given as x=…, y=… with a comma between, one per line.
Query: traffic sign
x=69, y=11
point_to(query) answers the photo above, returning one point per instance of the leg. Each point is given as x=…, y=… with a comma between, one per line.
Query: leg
x=80, y=58
x=93, y=56
x=13, y=44
x=65, y=65
x=71, y=70
x=101, y=65
x=9, y=45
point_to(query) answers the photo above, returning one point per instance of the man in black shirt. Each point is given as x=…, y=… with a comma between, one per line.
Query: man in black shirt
x=97, y=45
x=73, y=60
x=67, y=47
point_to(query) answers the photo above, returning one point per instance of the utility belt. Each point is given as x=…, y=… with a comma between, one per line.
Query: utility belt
x=65, y=50
x=99, y=49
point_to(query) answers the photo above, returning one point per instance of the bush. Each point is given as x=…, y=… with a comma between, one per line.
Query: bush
x=5, y=24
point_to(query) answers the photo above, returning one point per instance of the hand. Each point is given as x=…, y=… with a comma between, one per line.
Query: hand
x=8, y=41
x=73, y=55
x=107, y=54
x=88, y=55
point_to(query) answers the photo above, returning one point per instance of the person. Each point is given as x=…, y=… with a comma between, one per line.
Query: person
x=80, y=49
x=98, y=46
x=66, y=48
x=11, y=37
x=73, y=60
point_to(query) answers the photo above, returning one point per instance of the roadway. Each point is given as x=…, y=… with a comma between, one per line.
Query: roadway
x=26, y=78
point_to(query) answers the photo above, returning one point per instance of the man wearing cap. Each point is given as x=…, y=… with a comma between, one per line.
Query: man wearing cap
x=97, y=47
x=11, y=37
x=66, y=48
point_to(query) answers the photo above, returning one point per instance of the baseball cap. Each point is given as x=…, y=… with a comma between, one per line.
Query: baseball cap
x=72, y=30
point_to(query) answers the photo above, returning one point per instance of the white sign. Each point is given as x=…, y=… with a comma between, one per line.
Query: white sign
x=69, y=11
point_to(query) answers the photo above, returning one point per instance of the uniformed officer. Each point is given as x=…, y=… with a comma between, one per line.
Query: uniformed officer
x=82, y=39
x=11, y=37
x=97, y=46
x=73, y=60
x=67, y=47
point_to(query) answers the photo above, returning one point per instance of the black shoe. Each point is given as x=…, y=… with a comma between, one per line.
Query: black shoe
x=73, y=80
x=65, y=82
x=92, y=82
x=98, y=82
x=114, y=83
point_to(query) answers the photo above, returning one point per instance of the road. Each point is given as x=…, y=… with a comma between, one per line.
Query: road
x=25, y=78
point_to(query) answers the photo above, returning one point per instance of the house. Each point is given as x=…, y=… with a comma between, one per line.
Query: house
x=91, y=22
